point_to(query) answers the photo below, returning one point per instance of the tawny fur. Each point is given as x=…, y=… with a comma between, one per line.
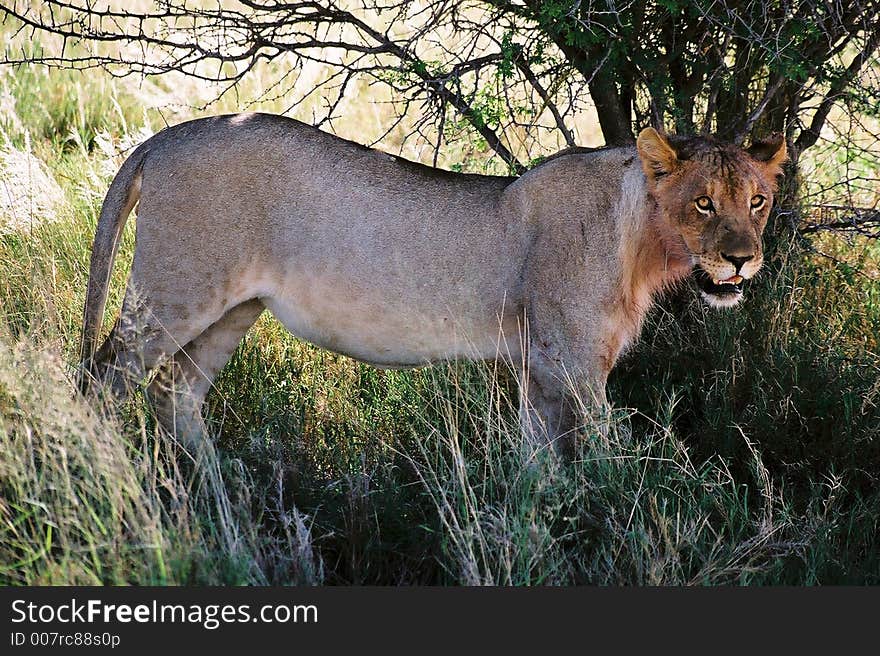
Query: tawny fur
x=401, y=265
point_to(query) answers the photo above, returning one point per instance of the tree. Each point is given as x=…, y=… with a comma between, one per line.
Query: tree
x=516, y=71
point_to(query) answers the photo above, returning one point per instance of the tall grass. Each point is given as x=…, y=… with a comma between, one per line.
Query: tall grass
x=744, y=447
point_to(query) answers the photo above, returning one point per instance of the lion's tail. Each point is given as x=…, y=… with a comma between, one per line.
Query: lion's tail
x=123, y=195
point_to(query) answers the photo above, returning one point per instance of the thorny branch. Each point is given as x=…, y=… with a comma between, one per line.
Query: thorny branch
x=861, y=221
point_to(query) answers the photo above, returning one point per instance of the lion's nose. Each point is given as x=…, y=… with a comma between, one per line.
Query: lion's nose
x=737, y=260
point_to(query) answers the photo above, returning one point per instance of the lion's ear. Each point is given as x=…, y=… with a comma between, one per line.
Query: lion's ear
x=657, y=154
x=771, y=153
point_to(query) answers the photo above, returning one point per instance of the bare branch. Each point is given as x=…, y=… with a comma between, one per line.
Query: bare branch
x=864, y=222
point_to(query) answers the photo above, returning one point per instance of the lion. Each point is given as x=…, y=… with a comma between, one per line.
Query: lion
x=399, y=265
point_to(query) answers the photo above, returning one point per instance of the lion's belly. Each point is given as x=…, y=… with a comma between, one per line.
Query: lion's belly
x=389, y=330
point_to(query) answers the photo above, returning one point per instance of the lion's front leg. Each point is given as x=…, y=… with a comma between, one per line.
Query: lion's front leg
x=572, y=335
x=557, y=401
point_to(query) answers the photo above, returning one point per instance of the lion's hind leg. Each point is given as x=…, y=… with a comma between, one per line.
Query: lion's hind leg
x=143, y=334
x=179, y=388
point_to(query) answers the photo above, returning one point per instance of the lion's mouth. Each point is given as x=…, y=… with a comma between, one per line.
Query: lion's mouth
x=723, y=291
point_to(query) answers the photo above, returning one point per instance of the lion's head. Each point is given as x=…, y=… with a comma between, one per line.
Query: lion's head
x=714, y=199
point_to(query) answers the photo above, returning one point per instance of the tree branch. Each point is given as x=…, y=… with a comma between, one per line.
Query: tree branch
x=529, y=74
x=810, y=135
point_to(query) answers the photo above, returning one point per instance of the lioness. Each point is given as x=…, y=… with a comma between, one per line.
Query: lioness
x=399, y=265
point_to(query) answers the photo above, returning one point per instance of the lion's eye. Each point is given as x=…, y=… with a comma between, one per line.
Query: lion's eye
x=704, y=204
x=758, y=201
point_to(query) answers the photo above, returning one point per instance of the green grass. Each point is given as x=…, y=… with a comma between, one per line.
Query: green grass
x=744, y=447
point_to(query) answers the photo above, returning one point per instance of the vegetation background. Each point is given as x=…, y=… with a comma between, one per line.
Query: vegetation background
x=746, y=444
